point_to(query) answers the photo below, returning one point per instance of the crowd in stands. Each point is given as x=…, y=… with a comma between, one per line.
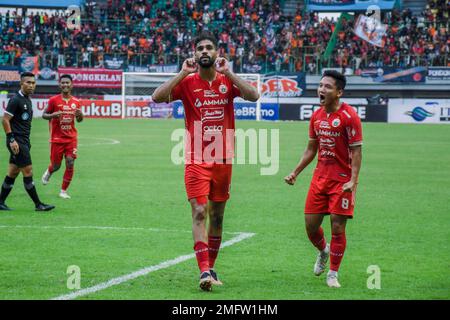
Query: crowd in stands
x=254, y=34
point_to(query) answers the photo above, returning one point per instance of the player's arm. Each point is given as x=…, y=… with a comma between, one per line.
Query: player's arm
x=308, y=156
x=163, y=92
x=79, y=115
x=356, y=154
x=248, y=92
x=49, y=114
x=9, y=135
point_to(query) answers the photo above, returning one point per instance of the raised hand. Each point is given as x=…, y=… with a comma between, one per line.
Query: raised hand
x=222, y=65
x=189, y=65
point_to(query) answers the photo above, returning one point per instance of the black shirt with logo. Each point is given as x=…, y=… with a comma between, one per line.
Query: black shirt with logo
x=21, y=110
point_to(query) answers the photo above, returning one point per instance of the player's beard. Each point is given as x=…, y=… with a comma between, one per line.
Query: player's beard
x=205, y=64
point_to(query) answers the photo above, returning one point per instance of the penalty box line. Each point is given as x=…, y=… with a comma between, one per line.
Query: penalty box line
x=143, y=272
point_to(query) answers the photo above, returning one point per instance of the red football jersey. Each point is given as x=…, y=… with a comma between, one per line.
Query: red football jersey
x=62, y=130
x=336, y=133
x=208, y=116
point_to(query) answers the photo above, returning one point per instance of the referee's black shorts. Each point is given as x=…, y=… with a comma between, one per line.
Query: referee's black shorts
x=23, y=158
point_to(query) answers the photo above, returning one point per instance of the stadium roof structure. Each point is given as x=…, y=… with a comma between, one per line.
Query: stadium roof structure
x=349, y=5
x=40, y=3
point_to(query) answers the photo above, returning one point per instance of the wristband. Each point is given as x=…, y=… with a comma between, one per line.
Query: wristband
x=10, y=137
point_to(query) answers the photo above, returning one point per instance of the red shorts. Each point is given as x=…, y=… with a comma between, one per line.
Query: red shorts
x=58, y=150
x=211, y=180
x=326, y=196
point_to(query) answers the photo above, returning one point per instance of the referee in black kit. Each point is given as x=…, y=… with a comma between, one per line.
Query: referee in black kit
x=17, y=125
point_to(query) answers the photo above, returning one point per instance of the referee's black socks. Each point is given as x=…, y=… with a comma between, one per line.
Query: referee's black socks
x=31, y=189
x=7, y=186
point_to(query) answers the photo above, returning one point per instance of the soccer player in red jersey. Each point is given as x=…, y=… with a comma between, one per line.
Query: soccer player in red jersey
x=207, y=86
x=62, y=110
x=335, y=134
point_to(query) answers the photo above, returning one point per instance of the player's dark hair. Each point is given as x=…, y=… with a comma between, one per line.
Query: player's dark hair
x=338, y=77
x=206, y=36
x=68, y=76
x=26, y=74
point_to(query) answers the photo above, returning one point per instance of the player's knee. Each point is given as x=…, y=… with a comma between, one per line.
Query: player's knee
x=27, y=171
x=199, y=213
x=216, y=221
x=56, y=166
x=70, y=162
x=13, y=173
x=337, y=227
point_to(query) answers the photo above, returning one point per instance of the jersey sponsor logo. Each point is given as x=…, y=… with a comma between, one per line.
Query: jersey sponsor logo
x=324, y=125
x=210, y=94
x=212, y=129
x=66, y=127
x=327, y=153
x=198, y=103
x=351, y=132
x=212, y=114
x=25, y=116
x=336, y=122
x=327, y=133
x=223, y=89
x=66, y=119
x=327, y=143
x=211, y=102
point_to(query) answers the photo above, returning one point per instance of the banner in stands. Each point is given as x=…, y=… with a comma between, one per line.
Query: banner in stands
x=304, y=110
x=166, y=68
x=438, y=73
x=29, y=63
x=9, y=75
x=283, y=85
x=63, y=4
x=348, y=5
x=419, y=111
x=93, y=78
x=417, y=74
x=46, y=74
x=114, y=63
x=133, y=68
x=370, y=30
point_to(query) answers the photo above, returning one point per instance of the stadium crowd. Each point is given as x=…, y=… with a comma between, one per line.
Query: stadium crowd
x=254, y=34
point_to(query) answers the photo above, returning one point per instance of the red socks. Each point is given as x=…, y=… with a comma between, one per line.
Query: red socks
x=68, y=174
x=206, y=253
x=214, y=246
x=337, y=248
x=201, y=253
x=317, y=239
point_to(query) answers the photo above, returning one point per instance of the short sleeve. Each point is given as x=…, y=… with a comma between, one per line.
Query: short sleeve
x=312, y=132
x=175, y=94
x=354, y=131
x=12, y=107
x=51, y=106
x=235, y=90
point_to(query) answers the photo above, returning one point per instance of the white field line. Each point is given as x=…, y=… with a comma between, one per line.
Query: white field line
x=105, y=141
x=144, y=271
x=104, y=228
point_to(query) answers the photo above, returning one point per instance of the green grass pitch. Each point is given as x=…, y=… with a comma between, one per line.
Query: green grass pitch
x=401, y=224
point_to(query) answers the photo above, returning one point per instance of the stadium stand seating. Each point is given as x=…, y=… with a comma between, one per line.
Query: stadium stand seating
x=257, y=35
